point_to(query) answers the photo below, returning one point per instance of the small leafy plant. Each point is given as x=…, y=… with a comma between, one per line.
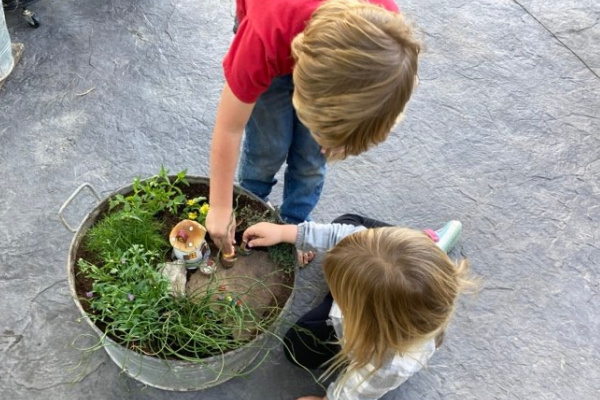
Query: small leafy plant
x=196, y=209
x=246, y=217
x=284, y=255
x=125, y=289
x=154, y=195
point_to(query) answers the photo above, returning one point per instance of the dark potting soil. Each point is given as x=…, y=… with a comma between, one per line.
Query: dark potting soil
x=248, y=212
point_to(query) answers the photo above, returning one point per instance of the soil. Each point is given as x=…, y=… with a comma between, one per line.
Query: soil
x=255, y=279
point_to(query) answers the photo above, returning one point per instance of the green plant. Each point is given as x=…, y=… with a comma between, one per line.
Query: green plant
x=153, y=195
x=122, y=230
x=283, y=254
x=247, y=217
x=131, y=298
x=196, y=209
x=127, y=297
x=125, y=289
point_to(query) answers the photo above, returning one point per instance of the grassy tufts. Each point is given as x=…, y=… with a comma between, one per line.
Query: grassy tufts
x=121, y=230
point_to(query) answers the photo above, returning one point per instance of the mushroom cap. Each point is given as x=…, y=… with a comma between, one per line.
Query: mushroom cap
x=187, y=235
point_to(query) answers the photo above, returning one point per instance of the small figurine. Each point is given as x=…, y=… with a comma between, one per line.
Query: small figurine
x=244, y=249
x=208, y=268
x=189, y=245
x=228, y=260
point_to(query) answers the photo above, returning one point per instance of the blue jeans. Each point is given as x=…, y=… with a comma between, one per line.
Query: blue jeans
x=274, y=135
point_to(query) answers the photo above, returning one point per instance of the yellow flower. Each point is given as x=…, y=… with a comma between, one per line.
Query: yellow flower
x=204, y=209
x=191, y=202
x=193, y=215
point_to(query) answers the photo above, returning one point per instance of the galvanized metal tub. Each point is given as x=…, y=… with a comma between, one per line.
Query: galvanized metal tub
x=7, y=61
x=172, y=375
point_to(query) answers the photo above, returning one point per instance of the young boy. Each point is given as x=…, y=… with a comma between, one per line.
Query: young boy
x=308, y=80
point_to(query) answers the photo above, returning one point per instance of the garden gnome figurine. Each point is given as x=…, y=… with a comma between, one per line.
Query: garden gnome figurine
x=189, y=244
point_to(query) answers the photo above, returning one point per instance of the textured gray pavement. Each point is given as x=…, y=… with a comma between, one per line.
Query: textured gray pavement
x=503, y=134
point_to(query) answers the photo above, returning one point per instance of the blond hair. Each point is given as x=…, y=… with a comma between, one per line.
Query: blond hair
x=355, y=69
x=395, y=289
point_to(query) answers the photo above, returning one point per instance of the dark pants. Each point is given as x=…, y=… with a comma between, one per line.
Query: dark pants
x=356, y=220
x=310, y=342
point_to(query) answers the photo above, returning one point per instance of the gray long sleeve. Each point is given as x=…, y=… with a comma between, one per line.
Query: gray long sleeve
x=321, y=237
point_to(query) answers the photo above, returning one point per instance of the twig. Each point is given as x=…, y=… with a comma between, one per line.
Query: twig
x=86, y=92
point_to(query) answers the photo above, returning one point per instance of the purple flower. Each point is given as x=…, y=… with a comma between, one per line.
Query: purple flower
x=131, y=297
x=89, y=294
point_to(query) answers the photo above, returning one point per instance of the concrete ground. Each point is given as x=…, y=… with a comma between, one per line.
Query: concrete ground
x=502, y=134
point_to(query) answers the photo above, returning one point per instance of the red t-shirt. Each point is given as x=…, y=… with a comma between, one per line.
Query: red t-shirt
x=261, y=48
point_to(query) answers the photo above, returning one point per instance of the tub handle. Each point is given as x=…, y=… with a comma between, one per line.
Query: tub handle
x=70, y=199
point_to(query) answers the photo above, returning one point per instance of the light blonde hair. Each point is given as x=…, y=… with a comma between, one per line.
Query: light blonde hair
x=395, y=289
x=355, y=70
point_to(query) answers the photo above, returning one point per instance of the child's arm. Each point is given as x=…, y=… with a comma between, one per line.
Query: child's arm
x=310, y=238
x=322, y=237
x=268, y=234
x=232, y=116
x=306, y=236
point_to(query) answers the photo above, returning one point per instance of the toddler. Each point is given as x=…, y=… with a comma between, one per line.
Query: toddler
x=392, y=293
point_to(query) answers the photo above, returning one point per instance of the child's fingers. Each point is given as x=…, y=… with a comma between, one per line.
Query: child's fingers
x=304, y=257
x=259, y=235
x=251, y=239
x=308, y=257
x=250, y=233
x=256, y=230
x=257, y=242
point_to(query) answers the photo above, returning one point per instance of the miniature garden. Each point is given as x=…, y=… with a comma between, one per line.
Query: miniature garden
x=149, y=277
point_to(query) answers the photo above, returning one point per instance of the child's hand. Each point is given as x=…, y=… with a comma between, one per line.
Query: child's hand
x=220, y=224
x=263, y=234
x=304, y=257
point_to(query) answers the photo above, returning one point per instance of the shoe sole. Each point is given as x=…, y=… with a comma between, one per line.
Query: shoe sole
x=449, y=235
